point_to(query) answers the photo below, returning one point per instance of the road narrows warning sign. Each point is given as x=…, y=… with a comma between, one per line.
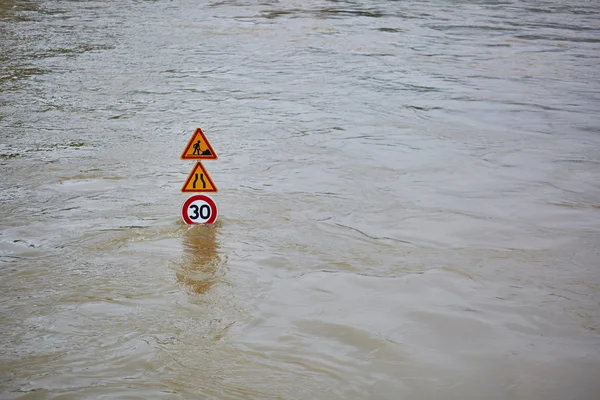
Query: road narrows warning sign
x=198, y=148
x=199, y=181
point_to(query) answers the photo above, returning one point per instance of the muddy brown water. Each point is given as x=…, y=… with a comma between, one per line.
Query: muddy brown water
x=409, y=200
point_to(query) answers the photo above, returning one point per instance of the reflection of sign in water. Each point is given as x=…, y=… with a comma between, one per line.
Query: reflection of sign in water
x=199, y=181
x=200, y=266
x=199, y=209
x=198, y=148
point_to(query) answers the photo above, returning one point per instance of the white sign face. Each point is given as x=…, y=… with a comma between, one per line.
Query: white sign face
x=199, y=209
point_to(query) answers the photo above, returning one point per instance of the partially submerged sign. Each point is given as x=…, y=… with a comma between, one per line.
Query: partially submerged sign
x=199, y=209
x=198, y=148
x=199, y=181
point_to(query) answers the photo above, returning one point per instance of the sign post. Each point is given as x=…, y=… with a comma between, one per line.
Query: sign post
x=200, y=208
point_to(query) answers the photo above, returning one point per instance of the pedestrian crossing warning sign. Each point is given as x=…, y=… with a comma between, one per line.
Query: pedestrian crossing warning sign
x=198, y=148
x=199, y=181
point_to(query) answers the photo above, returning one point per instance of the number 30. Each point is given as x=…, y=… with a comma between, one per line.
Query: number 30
x=203, y=211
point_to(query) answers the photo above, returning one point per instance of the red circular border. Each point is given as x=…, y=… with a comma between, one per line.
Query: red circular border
x=211, y=203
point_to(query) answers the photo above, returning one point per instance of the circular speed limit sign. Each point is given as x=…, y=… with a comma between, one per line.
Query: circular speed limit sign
x=199, y=209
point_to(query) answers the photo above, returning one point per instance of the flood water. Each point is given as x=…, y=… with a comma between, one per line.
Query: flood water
x=409, y=199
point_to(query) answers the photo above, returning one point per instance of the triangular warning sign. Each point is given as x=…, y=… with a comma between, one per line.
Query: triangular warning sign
x=199, y=181
x=198, y=148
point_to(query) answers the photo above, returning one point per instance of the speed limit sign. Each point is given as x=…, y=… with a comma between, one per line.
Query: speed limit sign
x=199, y=209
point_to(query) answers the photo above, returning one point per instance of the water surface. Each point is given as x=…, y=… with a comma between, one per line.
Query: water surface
x=409, y=199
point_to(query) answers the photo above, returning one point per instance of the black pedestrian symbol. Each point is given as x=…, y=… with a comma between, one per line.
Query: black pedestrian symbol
x=198, y=152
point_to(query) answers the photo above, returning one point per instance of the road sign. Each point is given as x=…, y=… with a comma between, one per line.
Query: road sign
x=198, y=148
x=199, y=181
x=199, y=209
